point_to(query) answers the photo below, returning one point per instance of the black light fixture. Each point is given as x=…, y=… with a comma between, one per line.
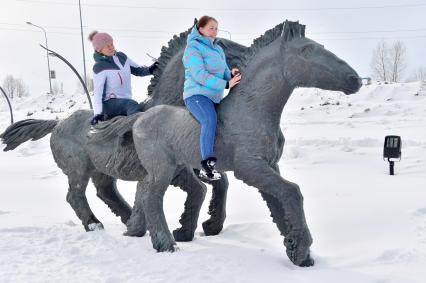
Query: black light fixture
x=392, y=150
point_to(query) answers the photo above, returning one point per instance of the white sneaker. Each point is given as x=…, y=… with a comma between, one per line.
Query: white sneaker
x=212, y=176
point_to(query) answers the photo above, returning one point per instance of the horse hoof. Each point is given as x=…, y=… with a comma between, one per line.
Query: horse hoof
x=299, y=260
x=307, y=262
x=94, y=227
x=297, y=249
x=166, y=248
x=211, y=228
x=182, y=235
x=134, y=233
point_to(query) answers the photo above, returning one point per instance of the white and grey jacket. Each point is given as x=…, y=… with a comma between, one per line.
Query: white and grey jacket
x=111, y=77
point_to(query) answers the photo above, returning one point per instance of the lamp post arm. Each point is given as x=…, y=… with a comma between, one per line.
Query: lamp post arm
x=47, y=54
x=53, y=53
x=10, y=105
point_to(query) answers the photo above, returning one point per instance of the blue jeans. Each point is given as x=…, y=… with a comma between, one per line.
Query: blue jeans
x=202, y=108
x=120, y=107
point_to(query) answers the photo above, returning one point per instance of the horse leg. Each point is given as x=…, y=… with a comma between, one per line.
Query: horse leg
x=76, y=197
x=161, y=169
x=284, y=200
x=136, y=225
x=276, y=209
x=196, y=192
x=151, y=195
x=217, y=207
x=106, y=190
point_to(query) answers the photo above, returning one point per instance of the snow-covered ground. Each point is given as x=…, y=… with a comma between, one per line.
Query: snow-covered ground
x=367, y=226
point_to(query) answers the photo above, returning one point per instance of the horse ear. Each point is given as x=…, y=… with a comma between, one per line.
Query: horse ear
x=196, y=22
x=303, y=28
x=287, y=32
x=292, y=30
x=284, y=25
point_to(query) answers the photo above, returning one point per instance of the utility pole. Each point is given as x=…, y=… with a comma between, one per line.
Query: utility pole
x=82, y=43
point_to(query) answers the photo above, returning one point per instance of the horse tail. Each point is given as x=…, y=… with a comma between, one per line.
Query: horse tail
x=29, y=129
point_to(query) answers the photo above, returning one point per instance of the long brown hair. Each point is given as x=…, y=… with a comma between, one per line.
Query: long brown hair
x=204, y=20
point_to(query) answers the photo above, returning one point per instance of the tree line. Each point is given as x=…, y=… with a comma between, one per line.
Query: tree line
x=14, y=87
x=389, y=63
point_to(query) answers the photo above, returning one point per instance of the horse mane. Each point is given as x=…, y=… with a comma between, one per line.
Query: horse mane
x=175, y=45
x=288, y=30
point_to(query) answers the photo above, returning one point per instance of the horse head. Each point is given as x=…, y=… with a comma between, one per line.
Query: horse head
x=307, y=63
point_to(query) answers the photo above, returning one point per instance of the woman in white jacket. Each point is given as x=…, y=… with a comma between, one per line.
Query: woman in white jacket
x=112, y=79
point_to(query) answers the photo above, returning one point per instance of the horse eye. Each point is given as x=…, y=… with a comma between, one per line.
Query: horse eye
x=307, y=51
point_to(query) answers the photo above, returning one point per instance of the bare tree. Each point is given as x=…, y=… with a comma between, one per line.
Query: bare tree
x=21, y=88
x=389, y=63
x=14, y=87
x=398, y=61
x=56, y=88
x=9, y=86
x=89, y=85
x=419, y=74
x=380, y=61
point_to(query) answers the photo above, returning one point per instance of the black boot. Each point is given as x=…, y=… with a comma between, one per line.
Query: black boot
x=208, y=171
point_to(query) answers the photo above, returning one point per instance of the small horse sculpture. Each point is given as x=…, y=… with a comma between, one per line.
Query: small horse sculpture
x=106, y=160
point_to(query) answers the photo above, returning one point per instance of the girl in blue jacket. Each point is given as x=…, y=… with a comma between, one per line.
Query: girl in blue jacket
x=112, y=79
x=206, y=77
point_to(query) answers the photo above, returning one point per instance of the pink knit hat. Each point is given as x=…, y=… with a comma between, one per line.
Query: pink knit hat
x=99, y=40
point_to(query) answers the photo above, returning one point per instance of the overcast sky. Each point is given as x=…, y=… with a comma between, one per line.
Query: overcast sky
x=350, y=29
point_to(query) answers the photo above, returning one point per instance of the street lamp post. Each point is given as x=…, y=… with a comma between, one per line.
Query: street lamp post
x=230, y=38
x=82, y=43
x=47, y=53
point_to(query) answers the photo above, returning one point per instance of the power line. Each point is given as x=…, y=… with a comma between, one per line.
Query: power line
x=242, y=33
x=344, y=32
x=77, y=34
x=231, y=9
x=169, y=34
x=370, y=31
x=54, y=27
x=236, y=38
x=27, y=30
x=100, y=28
x=364, y=38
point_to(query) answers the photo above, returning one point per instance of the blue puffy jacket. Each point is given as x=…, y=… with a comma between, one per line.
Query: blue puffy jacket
x=206, y=71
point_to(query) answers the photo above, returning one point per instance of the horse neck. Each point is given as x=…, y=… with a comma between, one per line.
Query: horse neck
x=263, y=90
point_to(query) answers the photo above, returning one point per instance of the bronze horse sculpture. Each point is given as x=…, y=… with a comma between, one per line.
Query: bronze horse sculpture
x=159, y=147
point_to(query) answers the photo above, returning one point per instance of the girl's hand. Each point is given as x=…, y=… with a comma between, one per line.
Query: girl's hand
x=235, y=71
x=234, y=81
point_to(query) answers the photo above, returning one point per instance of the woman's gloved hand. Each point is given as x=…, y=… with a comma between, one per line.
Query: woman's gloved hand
x=153, y=67
x=97, y=118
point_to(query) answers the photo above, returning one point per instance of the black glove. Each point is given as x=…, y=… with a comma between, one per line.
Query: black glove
x=97, y=118
x=153, y=67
